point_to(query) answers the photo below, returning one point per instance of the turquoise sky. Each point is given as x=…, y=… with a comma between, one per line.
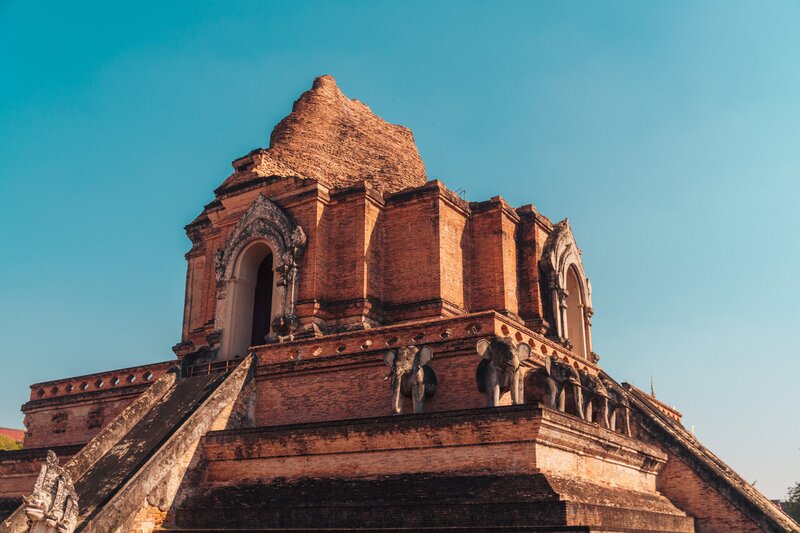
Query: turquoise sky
x=668, y=132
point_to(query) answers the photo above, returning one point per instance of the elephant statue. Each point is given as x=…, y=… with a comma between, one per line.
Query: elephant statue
x=551, y=383
x=540, y=387
x=411, y=376
x=619, y=417
x=499, y=370
x=595, y=399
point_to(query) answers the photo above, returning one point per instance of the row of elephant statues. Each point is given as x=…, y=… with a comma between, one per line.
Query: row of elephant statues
x=594, y=398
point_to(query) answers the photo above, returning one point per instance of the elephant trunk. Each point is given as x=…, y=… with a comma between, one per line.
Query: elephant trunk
x=578, y=396
x=418, y=390
x=492, y=386
x=516, y=386
x=397, y=401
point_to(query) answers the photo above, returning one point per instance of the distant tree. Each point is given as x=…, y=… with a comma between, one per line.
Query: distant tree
x=793, y=502
x=7, y=443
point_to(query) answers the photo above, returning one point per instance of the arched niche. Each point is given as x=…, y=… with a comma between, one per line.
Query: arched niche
x=570, y=290
x=576, y=321
x=265, y=243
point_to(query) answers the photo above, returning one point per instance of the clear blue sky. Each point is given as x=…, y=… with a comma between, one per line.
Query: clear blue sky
x=668, y=132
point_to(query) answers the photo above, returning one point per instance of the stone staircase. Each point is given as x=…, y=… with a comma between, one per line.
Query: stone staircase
x=151, y=439
x=110, y=473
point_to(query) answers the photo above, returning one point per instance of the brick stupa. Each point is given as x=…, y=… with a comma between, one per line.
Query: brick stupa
x=363, y=350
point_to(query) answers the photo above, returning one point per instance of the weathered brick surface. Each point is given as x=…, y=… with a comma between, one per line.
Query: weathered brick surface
x=389, y=260
x=699, y=481
x=340, y=377
x=506, y=439
x=338, y=141
x=73, y=410
x=455, y=251
x=411, y=275
x=374, y=258
x=505, y=466
x=19, y=469
x=714, y=513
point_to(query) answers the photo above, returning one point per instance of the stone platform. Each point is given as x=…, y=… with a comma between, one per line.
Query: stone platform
x=515, y=468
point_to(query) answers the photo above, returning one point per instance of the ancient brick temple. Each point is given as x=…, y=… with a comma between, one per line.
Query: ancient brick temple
x=364, y=350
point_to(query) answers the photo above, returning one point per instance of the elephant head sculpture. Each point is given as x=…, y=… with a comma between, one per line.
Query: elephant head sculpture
x=499, y=370
x=410, y=376
x=619, y=415
x=551, y=384
x=595, y=404
x=540, y=387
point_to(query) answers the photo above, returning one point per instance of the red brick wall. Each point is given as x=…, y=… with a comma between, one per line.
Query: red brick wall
x=528, y=263
x=317, y=222
x=494, y=257
x=73, y=410
x=714, y=514
x=374, y=260
x=374, y=251
x=358, y=390
x=45, y=426
x=342, y=376
x=344, y=280
x=19, y=469
x=509, y=220
x=454, y=254
x=411, y=259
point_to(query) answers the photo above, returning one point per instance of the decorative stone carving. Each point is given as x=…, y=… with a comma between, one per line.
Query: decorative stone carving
x=53, y=506
x=551, y=384
x=499, y=370
x=619, y=417
x=540, y=387
x=411, y=376
x=595, y=402
x=567, y=379
x=560, y=254
x=264, y=221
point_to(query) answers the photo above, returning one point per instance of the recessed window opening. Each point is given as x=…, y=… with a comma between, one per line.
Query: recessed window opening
x=262, y=302
x=253, y=297
x=576, y=329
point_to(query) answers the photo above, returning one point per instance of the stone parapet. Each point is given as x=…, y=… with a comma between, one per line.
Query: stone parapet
x=70, y=413
x=119, y=379
x=428, y=331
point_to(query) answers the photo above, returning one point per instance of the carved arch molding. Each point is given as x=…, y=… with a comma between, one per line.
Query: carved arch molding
x=560, y=255
x=264, y=221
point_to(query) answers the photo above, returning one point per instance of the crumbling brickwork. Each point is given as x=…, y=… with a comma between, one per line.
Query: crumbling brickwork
x=714, y=513
x=517, y=427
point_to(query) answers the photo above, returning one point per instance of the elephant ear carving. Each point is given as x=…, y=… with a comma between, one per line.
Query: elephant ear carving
x=388, y=357
x=482, y=347
x=431, y=382
x=480, y=374
x=523, y=351
x=425, y=355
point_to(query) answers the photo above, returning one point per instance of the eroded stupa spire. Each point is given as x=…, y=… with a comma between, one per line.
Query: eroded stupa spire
x=337, y=141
